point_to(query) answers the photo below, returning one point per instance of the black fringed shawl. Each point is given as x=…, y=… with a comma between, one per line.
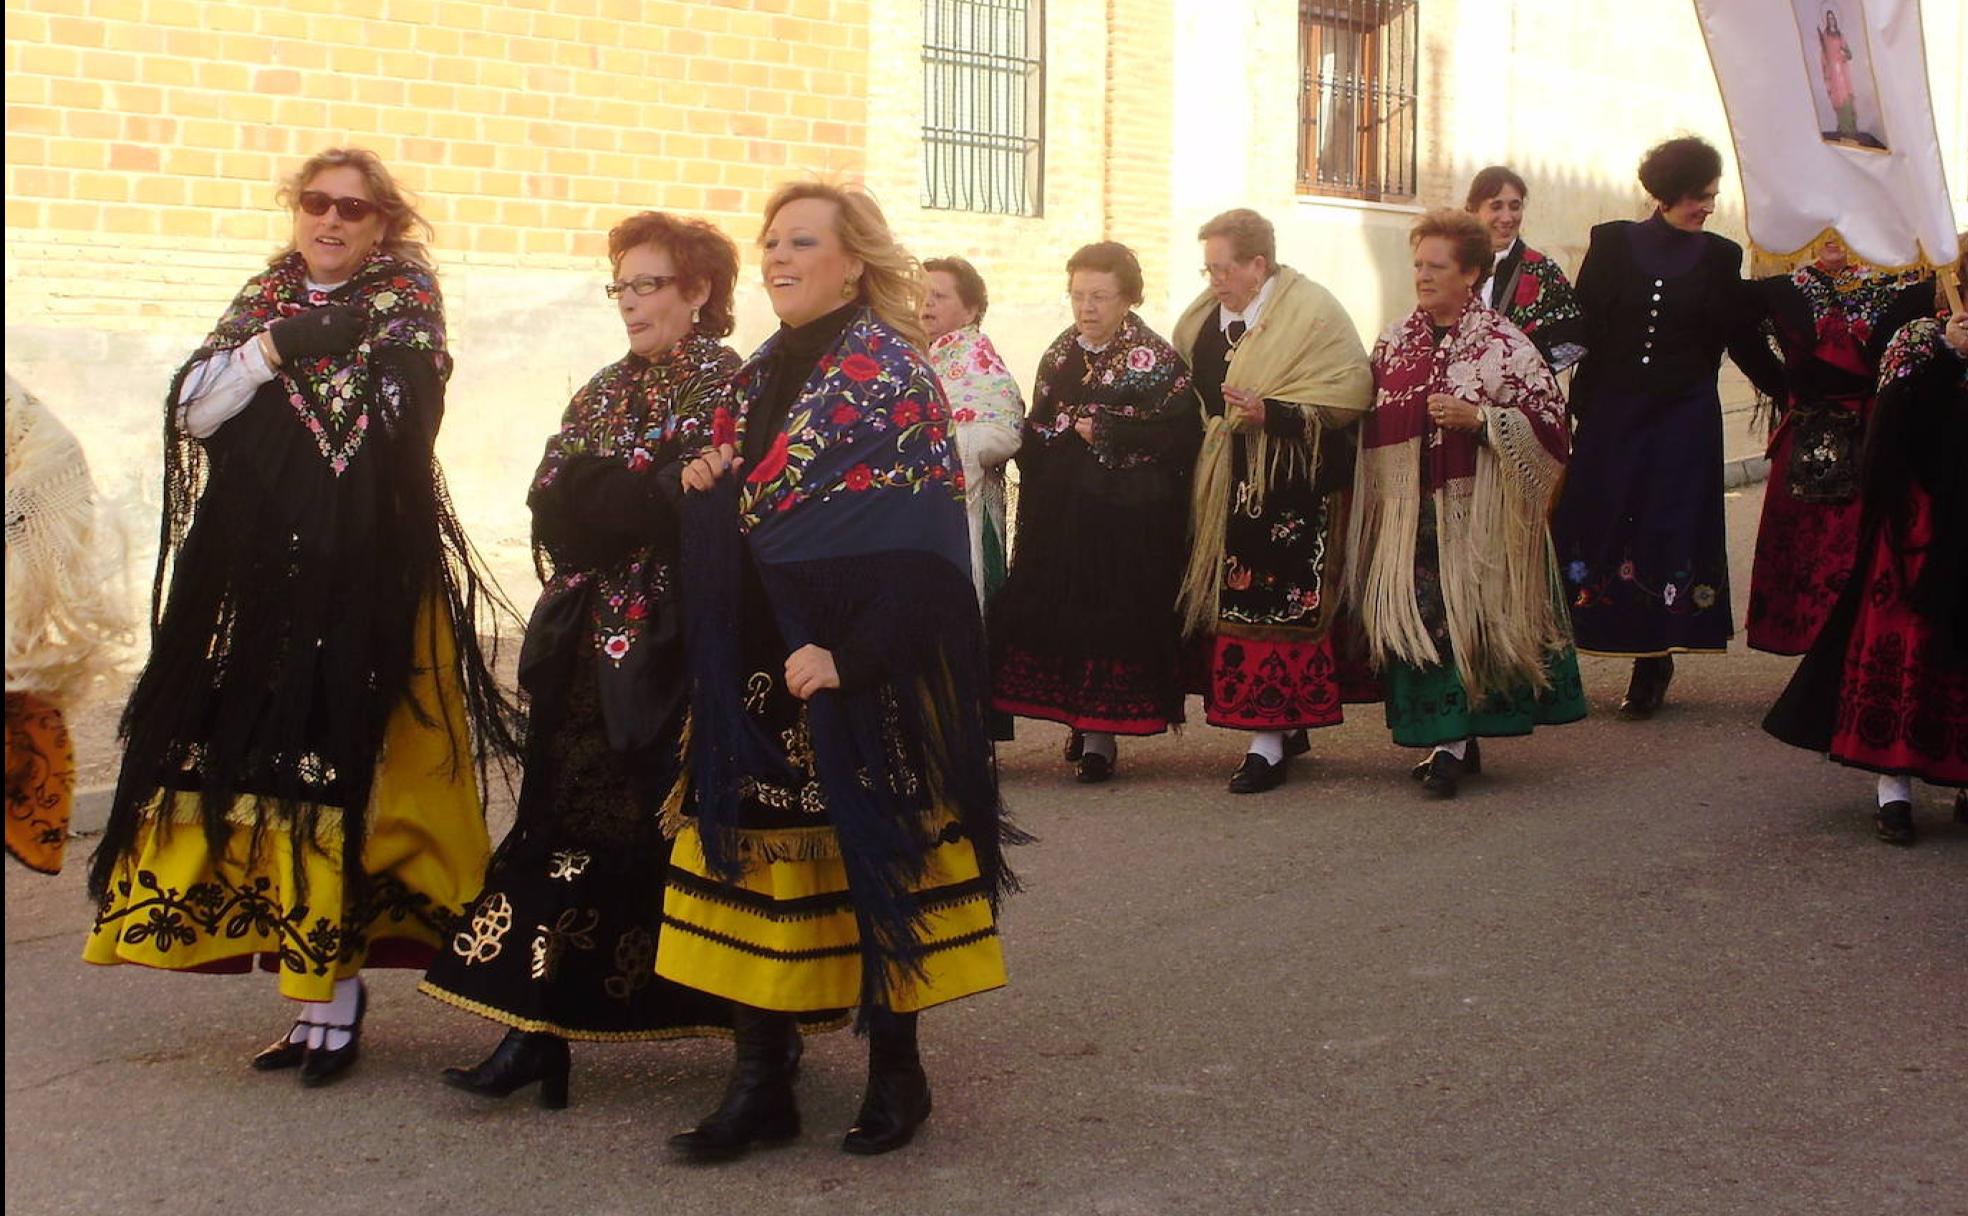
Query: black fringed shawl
x=297, y=546
x=853, y=518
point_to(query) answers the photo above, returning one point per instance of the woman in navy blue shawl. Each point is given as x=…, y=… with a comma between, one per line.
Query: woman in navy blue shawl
x=838, y=843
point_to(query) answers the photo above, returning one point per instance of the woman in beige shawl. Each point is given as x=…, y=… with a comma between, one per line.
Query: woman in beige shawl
x=1281, y=373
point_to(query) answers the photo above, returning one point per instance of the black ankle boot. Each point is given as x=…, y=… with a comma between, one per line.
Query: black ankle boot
x=1646, y=691
x=520, y=1059
x=758, y=1103
x=897, y=1100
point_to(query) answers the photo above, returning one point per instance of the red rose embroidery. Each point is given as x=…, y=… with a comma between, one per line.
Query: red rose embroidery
x=1527, y=291
x=859, y=478
x=860, y=368
x=964, y=415
x=1140, y=359
x=636, y=611
x=773, y=464
x=639, y=460
x=846, y=415
x=723, y=428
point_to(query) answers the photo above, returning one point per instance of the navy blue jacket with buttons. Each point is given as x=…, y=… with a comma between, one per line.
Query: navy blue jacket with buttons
x=1661, y=307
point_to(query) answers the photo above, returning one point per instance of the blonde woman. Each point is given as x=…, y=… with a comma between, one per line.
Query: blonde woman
x=840, y=845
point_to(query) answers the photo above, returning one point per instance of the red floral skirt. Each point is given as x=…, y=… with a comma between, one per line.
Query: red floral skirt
x=1903, y=699
x=1254, y=684
x=1086, y=694
x=1804, y=555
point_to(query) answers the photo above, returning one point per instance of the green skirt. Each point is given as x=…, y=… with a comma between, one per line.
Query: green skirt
x=1427, y=705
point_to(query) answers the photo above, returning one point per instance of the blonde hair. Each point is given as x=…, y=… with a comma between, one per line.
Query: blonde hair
x=401, y=221
x=891, y=282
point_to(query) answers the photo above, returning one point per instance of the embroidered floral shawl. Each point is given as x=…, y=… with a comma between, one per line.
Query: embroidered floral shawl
x=1136, y=377
x=988, y=409
x=642, y=412
x=853, y=516
x=1491, y=499
x=1543, y=305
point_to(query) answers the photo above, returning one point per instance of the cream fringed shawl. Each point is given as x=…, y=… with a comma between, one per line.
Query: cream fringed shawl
x=64, y=572
x=1304, y=352
x=1498, y=571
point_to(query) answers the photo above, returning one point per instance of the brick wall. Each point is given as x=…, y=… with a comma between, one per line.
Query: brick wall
x=527, y=127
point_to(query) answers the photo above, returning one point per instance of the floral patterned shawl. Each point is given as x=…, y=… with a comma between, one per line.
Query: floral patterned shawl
x=1542, y=304
x=854, y=520
x=1491, y=499
x=988, y=411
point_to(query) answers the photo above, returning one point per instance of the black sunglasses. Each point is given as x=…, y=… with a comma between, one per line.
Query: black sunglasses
x=352, y=210
x=642, y=285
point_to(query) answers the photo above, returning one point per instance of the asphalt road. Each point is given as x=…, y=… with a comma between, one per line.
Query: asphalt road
x=1636, y=968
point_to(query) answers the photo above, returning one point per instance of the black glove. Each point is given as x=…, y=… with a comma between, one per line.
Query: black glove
x=329, y=330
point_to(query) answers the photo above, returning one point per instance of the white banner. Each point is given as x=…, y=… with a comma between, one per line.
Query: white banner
x=1833, y=125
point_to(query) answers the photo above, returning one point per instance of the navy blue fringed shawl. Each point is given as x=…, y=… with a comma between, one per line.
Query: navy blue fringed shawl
x=854, y=520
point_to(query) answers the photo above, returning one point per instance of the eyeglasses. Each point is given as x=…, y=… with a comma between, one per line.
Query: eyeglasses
x=642, y=285
x=1099, y=299
x=1213, y=273
x=352, y=210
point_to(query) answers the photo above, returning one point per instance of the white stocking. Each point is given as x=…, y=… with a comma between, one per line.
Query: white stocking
x=1269, y=744
x=1895, y=789
x=1100, y=743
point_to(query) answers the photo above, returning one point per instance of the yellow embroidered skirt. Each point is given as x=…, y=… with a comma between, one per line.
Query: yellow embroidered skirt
x=174, y=904
x=785, y=938
x=40, y=782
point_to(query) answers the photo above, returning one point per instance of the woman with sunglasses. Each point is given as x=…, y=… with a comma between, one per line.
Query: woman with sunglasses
x=562, y=942
x=298, y=783
x=1085, y=631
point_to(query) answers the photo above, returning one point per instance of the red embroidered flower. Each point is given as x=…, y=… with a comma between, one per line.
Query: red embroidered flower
x=859, y=478
x=637, y=611
x=1527, y=291
x=723, y=428
x=937, y=472
x=907, y=414
x=1140, y=359
x=860, y=368
x=935, y=434
x=846, y=415
x=964, y=415
x=957, y=478
x=773, y=464
x=639, y=460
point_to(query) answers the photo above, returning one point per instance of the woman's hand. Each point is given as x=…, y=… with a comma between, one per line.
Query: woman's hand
x=1245, y=407
x=1084, y=429
x=1453, y=413
x=1956, y=334
x=810, y=669
x=703, y=473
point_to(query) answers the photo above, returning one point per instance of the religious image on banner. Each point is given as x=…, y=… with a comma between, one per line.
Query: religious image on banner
x=1839, y=63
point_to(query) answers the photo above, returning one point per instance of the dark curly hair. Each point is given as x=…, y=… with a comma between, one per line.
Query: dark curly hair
x=1680, y=168
x=703, y=256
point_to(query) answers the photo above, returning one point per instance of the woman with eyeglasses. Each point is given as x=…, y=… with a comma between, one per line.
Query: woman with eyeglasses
x=299, y=781
x=1283, y=379
x=561, y=944
x=1085, y=631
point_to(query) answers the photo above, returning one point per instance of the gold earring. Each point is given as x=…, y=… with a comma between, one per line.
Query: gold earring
x=849, y=288
x=696, y=315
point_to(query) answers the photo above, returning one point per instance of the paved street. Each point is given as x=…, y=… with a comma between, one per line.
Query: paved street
x=1653, y=968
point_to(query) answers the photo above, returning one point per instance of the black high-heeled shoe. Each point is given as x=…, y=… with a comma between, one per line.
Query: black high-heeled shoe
x=758, y=1106
x=898, y=1100
x=284, y=1052
x=323, y=1064
x=521, y=1058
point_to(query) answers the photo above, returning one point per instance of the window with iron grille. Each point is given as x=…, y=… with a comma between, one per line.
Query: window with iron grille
x=1356, y=102
x=984, y=105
